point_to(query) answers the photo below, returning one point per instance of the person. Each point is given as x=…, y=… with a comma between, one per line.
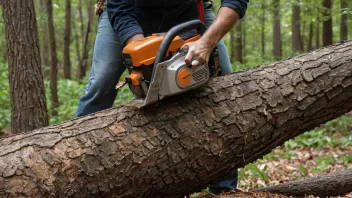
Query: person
x=107, y=66
x=127, y=20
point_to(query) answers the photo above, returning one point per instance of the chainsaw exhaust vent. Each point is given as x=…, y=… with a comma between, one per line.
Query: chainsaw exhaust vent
x=200, y=75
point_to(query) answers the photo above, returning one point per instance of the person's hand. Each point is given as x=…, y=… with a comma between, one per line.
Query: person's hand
x=198, y=52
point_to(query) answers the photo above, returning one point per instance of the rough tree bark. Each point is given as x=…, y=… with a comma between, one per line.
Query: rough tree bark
x=334, y=184
x=184, y=142
x=27, y=94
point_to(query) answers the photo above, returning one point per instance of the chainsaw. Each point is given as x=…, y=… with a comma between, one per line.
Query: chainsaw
x=157, y=67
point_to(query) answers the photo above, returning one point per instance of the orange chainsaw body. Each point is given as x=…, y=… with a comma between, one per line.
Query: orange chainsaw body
x=144, y=51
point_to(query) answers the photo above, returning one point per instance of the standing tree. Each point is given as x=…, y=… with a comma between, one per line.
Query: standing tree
x=27, y=95
x=232, y=47
x=317, y=38
x=262, y=20
x=296, y=28
x=327, y=23
x=277, y=30
x=44, y=40
x=238, y=42
x=344, y=20
x=67, y=41
x=53, y=71
x=83, y=65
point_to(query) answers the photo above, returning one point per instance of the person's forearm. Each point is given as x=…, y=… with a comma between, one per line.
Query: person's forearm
x=134, y=38
x=123, y=19
x=224, y=21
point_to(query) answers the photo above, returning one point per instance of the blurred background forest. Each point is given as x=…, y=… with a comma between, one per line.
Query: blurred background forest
x=271, y=30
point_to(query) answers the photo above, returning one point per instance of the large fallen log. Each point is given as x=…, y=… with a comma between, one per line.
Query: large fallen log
x=181, y=144
x=334, y=184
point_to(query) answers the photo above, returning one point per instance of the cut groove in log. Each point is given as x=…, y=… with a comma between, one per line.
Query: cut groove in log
x=185, y=142
x=334, y=184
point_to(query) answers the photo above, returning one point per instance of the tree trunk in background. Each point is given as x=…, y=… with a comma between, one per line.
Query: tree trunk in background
x=263, y=7
x=67, y=41
x=238, y=42
x=317, y=38
x=296, y=28
x=186, y=141
x=83, y=65
x=334, y=184
x=44, y=41
x=27, y=94
x=277, y=30
x=3, y=41
x=327, y=23
x=78, y=52
x=344, y=20
x=232, y=45
x=53, y=69
x=244, y=38
x=310, y=37
x=80, y=13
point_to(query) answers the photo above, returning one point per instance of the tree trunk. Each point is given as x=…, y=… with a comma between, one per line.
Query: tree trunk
x=67, y=41
x=244, y=38
x=44, y=41
x=335, y=184
x=184, y=142
x=344, y=20
x=296, y=28
x=53, y=71
x=232, y=45
x=78, y=52
x=263, y=28
x=317, y=38
x=80, y=12
x=310, y=37
x=27, y=95
x=327, y=23
x=83, y=65
x=238, y=42
x=277, y=30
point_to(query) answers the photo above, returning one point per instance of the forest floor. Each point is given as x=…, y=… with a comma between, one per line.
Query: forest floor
x=324, y=150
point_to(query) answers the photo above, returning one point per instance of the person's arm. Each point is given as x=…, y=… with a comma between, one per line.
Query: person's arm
x=124, y=20
x=229, y=13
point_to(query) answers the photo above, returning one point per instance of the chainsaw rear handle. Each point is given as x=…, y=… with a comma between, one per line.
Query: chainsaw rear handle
x=172, y=33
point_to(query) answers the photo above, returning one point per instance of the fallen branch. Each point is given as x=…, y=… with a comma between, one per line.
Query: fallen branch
x=334, y=184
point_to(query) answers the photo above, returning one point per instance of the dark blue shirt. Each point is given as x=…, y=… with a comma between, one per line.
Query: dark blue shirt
x=130, y=17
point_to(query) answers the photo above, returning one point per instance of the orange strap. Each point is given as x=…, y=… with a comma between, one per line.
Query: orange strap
x=200, y=10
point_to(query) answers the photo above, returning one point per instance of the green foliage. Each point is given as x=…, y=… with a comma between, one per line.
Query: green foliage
x=319, y=137
x=69, y=93
x=260, y=173
x=303, y=170
x=5, y=106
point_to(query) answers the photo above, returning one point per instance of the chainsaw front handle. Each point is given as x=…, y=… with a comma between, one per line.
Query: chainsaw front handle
x=172, y=33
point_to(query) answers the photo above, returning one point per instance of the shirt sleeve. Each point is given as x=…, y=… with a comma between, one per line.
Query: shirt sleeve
x=123, y=19
x=240, y=6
